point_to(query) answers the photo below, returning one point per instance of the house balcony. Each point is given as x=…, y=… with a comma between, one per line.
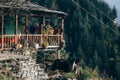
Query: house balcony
x=29, y=41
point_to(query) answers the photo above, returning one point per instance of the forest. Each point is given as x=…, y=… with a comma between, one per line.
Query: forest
x=90, y=35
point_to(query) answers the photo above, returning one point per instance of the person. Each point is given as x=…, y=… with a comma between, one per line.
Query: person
x=57, y=31
x=23, y=29
x=32, y=29
x=57, y=28
x=28, y=29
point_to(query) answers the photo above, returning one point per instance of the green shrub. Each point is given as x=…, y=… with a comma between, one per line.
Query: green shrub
x=84, y=74
x=69, y=75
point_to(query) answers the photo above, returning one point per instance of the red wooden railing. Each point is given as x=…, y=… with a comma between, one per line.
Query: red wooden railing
x=10, y=41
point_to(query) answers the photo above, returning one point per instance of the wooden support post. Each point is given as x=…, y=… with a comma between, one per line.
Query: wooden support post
x=41, y=34
x=26, y=20
x=62, y=28
x=58, y=54
x=26, y=26
x=42, y=30
x=16, y=29
x=2, y=32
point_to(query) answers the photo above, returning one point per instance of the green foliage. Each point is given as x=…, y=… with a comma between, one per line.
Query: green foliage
x=64, y=54
x=69, y=75
x=85, y=74
x=52, y=56
x=88, y=38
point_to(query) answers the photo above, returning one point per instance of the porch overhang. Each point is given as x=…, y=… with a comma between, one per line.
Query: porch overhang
x=27, y=8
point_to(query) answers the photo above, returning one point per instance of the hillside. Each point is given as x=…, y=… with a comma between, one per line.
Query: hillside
x=91, y=36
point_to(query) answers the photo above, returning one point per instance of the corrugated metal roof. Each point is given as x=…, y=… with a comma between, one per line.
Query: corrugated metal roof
x=29, y=6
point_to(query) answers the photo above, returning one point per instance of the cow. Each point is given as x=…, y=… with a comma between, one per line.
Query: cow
x=69, y=65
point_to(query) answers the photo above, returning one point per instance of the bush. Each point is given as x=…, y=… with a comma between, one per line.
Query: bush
x=85, y=74
x=52, y=56
x=69, y=75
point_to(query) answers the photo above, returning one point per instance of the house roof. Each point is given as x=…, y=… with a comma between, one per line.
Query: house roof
x=28, y=6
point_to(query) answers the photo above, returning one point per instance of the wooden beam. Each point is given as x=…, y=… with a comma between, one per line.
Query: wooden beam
x=2, y=32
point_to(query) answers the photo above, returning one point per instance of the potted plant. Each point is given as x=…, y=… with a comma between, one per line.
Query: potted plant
x=45, y=44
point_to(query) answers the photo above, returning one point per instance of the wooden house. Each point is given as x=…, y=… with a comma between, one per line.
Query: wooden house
x=27, y=24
